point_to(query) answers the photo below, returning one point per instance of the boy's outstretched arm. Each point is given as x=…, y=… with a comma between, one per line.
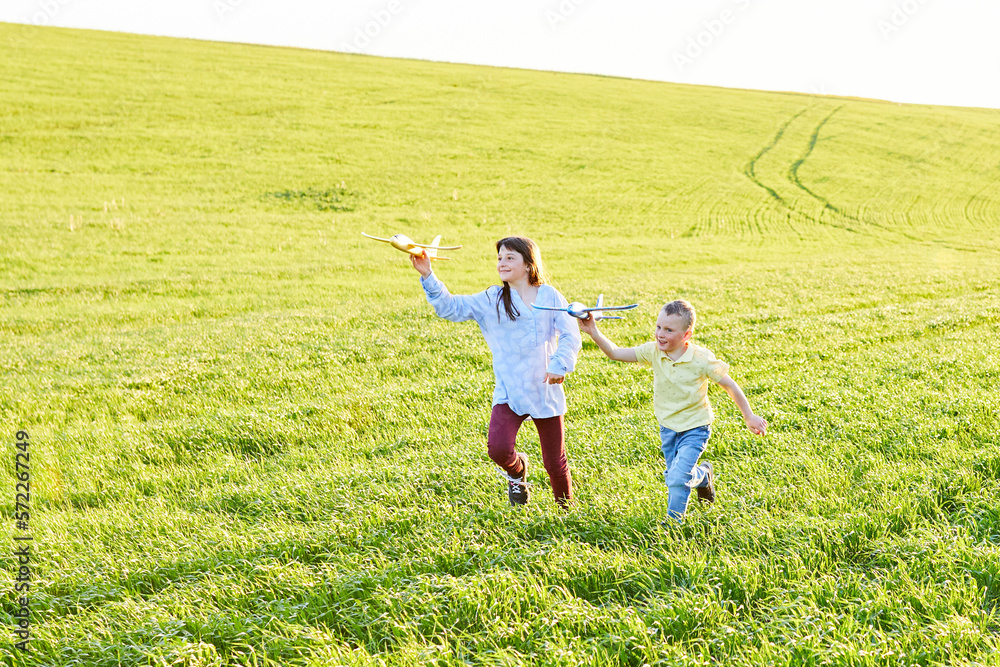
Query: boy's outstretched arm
x=610, y=350
x=756, y=424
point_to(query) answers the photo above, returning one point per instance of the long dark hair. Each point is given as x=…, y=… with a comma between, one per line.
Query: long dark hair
x=527, y=249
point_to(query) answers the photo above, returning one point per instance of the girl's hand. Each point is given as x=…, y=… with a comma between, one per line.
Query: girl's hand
x=554, y=379
x=422, y=263
x=756, y=424
x=589, y=325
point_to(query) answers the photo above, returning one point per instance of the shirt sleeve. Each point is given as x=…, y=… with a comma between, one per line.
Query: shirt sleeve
x=563, y=361
x=715, y=369
x=644, y=353
x=453, y=307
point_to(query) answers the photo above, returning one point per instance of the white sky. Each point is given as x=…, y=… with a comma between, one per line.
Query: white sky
x=924, y=51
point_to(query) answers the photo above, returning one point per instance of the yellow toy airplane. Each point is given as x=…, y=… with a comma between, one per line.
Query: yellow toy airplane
x=401, y=242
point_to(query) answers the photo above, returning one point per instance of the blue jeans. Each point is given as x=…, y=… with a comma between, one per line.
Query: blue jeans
x=681, y=451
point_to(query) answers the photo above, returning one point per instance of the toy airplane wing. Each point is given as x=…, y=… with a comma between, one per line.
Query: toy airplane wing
x=548, y=308
x=432, y=249
x=634, y=305
x=601, y=307
x=438, y=247
x=405, y=244
x=599, y=311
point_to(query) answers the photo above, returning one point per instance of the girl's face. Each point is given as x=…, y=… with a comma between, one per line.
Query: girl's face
x=511, y=265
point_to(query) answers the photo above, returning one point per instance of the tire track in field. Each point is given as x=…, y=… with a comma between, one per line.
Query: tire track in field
x=750, y=171
x=828, y=205
x=967, y=210
x=793, y=178
x=849, y=222
x=684, y=194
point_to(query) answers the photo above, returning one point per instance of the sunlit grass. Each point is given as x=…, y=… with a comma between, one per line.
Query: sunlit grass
x=253, y=442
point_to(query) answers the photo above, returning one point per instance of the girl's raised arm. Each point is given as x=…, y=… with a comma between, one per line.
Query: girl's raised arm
x=455, y=308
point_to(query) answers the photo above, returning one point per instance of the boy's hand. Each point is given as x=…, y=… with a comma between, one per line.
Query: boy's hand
x=421, y=264
x=589, y=325
x=757, y=425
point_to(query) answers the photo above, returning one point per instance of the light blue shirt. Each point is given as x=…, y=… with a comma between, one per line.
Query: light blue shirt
x=524, y=349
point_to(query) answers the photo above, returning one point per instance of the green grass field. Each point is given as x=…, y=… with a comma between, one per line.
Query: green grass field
x=253, y=443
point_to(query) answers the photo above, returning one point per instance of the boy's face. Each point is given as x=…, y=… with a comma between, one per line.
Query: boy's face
x=671, y=332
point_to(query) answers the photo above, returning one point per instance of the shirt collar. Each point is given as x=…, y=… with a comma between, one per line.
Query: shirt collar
x=687, y=356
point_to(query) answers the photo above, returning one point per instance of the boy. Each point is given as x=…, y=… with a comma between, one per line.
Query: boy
x=681, y=371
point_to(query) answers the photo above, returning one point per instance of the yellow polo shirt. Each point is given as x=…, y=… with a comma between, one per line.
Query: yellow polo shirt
x=680, y=388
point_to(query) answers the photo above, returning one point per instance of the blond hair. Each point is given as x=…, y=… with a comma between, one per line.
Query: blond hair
x=682, y=308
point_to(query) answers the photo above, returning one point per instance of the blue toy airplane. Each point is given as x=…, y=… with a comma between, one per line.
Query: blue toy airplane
x=580, y=311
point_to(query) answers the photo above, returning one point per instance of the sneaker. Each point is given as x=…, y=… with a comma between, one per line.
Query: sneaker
x=706, y=493
x=517, y=487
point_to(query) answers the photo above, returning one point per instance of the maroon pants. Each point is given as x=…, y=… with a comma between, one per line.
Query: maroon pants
x=504, y=424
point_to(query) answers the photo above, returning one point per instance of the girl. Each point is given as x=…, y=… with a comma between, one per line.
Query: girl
x=533, y=350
